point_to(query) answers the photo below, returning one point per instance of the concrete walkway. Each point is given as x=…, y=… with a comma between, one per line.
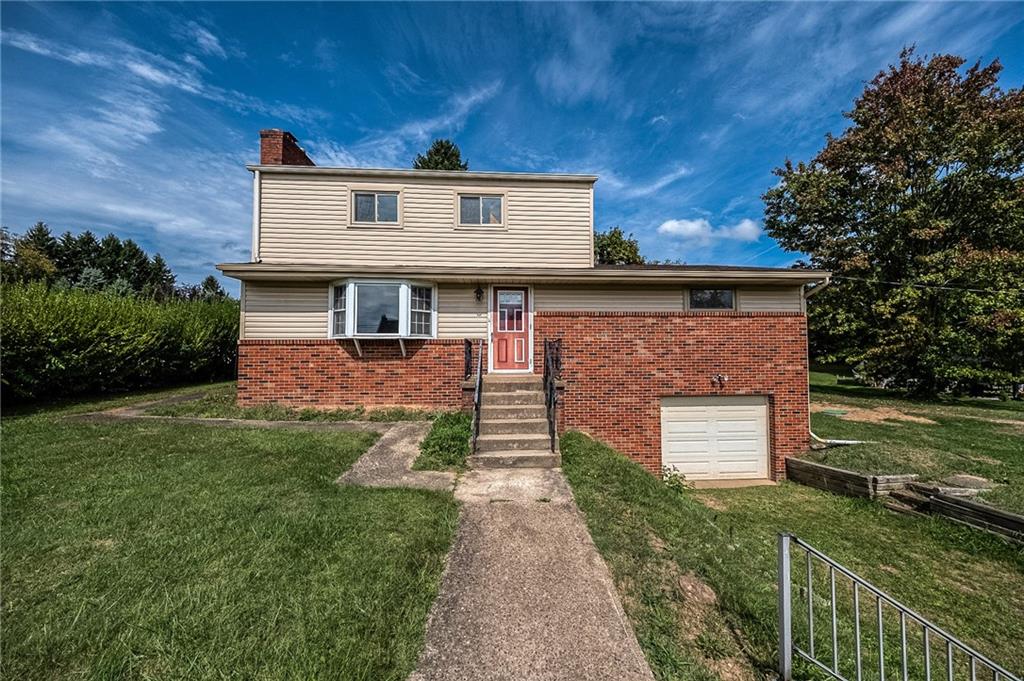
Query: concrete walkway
x=388, y=463
x=525, y=594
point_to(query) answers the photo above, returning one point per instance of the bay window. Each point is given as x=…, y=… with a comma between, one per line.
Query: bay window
x=386, y=309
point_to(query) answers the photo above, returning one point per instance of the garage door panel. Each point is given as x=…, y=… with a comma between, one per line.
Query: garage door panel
x=738, y=445
x=715, y=438
x=687, y=427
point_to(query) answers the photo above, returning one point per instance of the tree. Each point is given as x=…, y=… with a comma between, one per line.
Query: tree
x=41, y=240
x=918, y=210
x=160, y=282
x=442, y=155
x=615, y=248
x=211, y=289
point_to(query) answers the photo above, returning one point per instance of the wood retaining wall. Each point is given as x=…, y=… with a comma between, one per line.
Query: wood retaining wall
x=848, y=483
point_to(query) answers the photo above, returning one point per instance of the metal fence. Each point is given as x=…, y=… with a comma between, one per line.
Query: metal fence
x=895, y=642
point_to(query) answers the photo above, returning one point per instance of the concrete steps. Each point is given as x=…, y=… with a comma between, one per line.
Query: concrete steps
x=540, y=458
x=513, y=425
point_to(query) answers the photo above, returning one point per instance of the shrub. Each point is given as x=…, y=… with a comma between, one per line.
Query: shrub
x=67, y=342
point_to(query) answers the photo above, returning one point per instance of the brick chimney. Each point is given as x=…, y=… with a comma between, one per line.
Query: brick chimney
x=280, y=148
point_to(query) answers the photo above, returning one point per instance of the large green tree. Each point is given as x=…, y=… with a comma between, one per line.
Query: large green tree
x=616, y=248
x=442, y=155
x=918, y=210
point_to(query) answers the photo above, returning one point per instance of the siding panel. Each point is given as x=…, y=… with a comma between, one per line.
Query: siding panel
x=284, y=311
x=305, y=218
x=612, y=299
x=787, y=299
x=459, y=314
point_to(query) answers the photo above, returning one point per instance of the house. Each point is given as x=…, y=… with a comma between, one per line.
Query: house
x=365, y=285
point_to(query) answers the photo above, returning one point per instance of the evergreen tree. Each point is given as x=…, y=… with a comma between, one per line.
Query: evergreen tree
x=109, y=258
x=160, y=281
x=39, y=238
x=211, y=289
x=442, y=155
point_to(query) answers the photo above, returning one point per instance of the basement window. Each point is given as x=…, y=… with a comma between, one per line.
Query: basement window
x=383, y=309
x=712, y=299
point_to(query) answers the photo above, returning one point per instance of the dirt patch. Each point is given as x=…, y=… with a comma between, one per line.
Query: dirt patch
x=712, y=503
x=703, y=630
x=874, y=415
x=703, y=627
x=104, y=544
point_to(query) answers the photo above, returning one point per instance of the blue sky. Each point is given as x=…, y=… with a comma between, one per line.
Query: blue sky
x=138, y=119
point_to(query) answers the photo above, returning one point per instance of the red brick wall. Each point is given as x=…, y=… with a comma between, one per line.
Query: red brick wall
x=329, y=373
x=617, y=365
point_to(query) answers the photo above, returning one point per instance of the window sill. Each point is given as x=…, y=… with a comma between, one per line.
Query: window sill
x=481, y=228
x=375, y=225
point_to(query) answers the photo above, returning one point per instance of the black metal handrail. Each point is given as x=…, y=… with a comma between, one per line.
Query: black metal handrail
x=552, y=373
x=479, y=389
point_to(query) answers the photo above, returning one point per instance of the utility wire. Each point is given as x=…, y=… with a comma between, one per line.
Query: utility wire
x=935, y=286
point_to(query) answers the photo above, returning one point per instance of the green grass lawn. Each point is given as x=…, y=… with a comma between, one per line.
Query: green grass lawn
x=446, y=446
x=219, y=402
x=980, y=437
x=667, y=547
x=171, y=552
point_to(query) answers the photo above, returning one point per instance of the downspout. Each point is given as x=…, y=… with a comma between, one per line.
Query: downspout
x=807, y=293
x=255, y=216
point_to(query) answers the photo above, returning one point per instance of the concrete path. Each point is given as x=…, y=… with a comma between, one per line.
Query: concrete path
x=525, y=594
x=388, y=463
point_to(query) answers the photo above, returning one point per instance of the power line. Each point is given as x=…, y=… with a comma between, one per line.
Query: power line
x=934, y=286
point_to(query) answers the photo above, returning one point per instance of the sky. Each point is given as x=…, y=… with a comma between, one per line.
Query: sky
x=138, y=119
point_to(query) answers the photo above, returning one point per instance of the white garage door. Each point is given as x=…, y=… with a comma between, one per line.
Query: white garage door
x=712, y=438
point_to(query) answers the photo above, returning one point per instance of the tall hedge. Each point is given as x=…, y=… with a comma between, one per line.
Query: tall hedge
x=65, y=342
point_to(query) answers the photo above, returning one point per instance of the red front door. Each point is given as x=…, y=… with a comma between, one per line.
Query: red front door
x=510, y=337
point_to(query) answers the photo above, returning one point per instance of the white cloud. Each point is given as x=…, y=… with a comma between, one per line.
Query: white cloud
x=402, y=79
x=207, y=42
x=634, y=189
x=658, y=119
x=701, y=231
x=585, y=68
x=396, y=147
x=125, y=61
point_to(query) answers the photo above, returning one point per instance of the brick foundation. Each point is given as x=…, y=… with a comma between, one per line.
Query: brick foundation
x=617, y=366
x=330, y=373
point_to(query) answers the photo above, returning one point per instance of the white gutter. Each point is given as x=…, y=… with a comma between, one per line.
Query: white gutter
x=255, y=216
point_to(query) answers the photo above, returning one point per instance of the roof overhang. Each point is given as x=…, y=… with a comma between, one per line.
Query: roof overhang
x=462, y=175
x=527, y=275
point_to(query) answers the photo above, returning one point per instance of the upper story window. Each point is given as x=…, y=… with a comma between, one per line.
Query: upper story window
x=375, y=207
x=712, y=299
x=480, y=209
x=389, y=309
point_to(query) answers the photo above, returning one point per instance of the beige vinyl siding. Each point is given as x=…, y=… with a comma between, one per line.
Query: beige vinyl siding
x=306, y=218
x=788, y=299
x=285, y=310
x=611, y=299
x=459, y=313
x=656, y=299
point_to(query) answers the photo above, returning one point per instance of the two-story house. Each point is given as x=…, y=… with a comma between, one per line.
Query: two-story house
x=365, y=284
